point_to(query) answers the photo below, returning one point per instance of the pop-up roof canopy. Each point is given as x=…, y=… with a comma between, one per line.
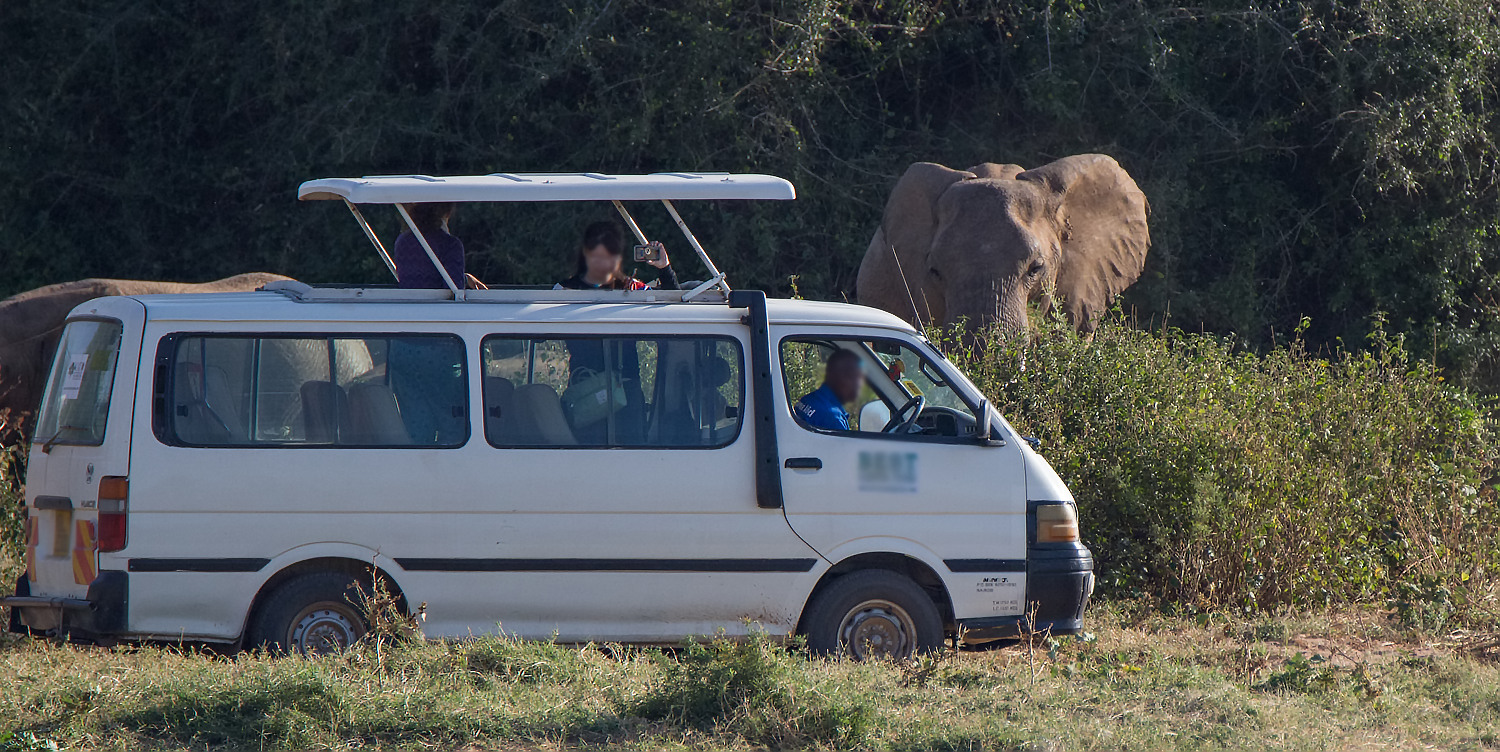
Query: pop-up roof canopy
x=665, y=187
x=583, y=186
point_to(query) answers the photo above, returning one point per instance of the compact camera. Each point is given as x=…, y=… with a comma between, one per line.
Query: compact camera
x=648, y=252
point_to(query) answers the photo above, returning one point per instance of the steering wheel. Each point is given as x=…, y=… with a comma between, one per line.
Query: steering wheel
x=898, y=424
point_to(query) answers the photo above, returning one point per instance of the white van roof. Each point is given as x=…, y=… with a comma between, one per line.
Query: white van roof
x=262, y=309
x=543, y=186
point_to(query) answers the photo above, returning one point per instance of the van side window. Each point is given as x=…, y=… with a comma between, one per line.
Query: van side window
x=612, y=391
x=83, y=376
x=290, y=390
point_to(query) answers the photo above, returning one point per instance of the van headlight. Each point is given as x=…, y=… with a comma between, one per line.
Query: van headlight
x=1056, y=523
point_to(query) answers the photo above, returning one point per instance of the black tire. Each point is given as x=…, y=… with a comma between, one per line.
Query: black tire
x=311, y=614
x=882, y=606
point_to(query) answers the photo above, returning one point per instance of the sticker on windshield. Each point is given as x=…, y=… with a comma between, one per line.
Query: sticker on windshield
x=888, y=472
x=73, y=377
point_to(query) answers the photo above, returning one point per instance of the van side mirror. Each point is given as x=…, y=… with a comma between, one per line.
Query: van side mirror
x=985, y=435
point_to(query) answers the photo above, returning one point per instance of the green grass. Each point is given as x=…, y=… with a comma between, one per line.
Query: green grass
x=1139, y=681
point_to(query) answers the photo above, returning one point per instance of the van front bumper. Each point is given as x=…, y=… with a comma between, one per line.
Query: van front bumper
x=1059, y=583
x=97, y=617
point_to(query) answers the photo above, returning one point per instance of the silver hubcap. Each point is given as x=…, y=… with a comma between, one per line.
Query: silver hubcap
x=324, y=628
x=878, y=629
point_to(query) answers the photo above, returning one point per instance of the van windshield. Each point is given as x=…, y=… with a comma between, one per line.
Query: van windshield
x=76, y=405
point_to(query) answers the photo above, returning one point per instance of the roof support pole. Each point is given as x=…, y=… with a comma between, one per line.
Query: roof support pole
x=458, y=293
x=630, y=222
x=717, y=277
x=370, y=233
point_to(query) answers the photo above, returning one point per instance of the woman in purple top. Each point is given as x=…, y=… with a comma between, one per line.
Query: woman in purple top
x=426, y=380
x=414, y=270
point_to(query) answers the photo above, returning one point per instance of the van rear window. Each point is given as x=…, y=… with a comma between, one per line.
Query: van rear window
x=684, y=392
x=297, y=390
x=76, y=406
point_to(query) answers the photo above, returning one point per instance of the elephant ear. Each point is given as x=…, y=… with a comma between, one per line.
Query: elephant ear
x=1102, y=214
x=907, y=226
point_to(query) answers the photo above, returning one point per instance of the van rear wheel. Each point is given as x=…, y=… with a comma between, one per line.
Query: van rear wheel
x=871, y=615
x=311, y=614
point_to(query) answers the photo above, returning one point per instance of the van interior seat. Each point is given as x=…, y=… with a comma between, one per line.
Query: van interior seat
x=322, y=404
x=205, y=406
x=374, y=417
x=711, y=403
x=695, y=412
x=539, y=418
x=499, y=408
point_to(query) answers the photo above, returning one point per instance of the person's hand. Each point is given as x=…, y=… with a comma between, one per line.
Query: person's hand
x=661, y=261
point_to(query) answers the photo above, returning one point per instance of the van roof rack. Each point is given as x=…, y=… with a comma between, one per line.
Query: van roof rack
x=305, y=293
x=666, y=187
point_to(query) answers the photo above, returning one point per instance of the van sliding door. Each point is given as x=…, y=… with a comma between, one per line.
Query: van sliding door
x=621, y=499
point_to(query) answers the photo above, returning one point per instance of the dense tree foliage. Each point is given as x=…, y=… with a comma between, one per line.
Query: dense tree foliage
x=1320, y=159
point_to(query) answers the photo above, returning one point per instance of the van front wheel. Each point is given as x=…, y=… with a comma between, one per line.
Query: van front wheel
x=312, y=614
x=873, y=614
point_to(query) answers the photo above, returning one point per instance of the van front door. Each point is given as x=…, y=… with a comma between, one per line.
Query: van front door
x=899, y=468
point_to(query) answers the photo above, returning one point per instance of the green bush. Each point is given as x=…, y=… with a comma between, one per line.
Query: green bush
x=1212, y=477
x=12, y=515
x=756, y=689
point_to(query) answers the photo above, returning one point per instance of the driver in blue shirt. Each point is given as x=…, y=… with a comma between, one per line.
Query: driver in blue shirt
x=842, y=380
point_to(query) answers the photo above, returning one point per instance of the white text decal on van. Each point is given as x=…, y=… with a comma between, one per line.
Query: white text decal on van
x=1004, y=592
x=73, y=379
x=891, y=472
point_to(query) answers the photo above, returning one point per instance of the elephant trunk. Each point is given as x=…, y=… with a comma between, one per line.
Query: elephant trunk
x=1003, y=302
x=1013, y=320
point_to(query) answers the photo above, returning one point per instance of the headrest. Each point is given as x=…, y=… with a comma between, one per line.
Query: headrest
x=716, y=373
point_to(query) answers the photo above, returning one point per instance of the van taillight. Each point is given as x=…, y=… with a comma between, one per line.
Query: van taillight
x=114, y=491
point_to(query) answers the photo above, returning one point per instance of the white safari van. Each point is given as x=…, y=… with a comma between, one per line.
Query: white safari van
x=584, y=465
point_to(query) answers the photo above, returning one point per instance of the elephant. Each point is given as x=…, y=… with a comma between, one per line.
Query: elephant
x=979, y=245
x=31, y=323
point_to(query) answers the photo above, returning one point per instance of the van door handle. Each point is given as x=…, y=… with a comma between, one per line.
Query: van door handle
x=804, y=463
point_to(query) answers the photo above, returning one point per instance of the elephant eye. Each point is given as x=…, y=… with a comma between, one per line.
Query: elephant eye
x=1036, y=268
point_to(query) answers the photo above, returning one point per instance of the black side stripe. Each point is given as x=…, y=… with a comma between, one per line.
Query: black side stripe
x=197, y=565
x=985, y=565
x=606, y=565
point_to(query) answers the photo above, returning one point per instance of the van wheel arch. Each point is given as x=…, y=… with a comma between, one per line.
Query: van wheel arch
x=913, y=568
x=361, y=571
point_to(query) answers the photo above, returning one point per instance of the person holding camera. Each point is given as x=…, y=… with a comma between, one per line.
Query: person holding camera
x=601, y=267
x=601, y=262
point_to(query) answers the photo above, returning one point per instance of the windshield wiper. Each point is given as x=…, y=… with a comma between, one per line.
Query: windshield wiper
x=56, y=437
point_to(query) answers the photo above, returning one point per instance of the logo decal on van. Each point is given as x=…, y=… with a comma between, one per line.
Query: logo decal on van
x=889, y=472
